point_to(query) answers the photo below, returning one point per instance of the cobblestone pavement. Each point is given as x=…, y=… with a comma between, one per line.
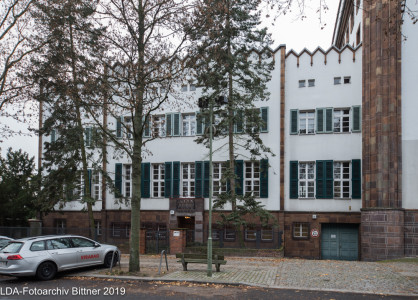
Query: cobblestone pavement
x=365, y=277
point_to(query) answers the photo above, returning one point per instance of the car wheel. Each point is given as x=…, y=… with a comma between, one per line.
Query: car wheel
x=46, y=271
x=108, y=259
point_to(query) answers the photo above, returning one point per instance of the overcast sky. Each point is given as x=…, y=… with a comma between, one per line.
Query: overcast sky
x=289, y=29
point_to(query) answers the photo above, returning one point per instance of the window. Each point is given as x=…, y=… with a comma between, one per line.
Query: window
x=98, y=227
x=347, y=79
x=311, y=82
x=302, y=83
x=60, y=226
x=80, y=242
x=95, y=185
x=120, y=229
x=127, y=122
x=341, y=120
x=127, y=187
x=267, y=234
x=188, y=180
x=192, y=87
x=341, y=179
x=158, y=126
x=158, y=180
x=37, y=246
x=216, y=234
x=184, y=88
x=301, y=230
x=189, y=125
x=307, y=122
x=337, y=80
x=252, y=178
x=250, y=234
x=307, y=180
x=229, y=234
x=219, y=187
x=59, y=243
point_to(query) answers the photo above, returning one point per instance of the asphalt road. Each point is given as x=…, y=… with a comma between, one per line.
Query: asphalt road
x=64, y=287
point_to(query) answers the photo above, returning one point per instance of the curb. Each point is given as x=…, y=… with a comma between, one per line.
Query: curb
x=149, y=279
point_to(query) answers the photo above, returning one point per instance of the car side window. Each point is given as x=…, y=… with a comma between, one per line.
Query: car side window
x=60, y=243
x=80, y=242
x=37, y=246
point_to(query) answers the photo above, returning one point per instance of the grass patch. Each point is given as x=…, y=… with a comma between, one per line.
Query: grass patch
x=413, y=260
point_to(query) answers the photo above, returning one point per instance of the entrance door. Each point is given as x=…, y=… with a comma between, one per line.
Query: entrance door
x=188, y=223
x=339, y=241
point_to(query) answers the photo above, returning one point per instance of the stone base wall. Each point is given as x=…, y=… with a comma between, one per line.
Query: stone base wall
x=411, y=233
x=311, y=247
x=382, y=234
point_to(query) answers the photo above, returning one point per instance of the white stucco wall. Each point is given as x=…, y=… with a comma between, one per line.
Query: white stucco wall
x=410, y=111
x=334, y=146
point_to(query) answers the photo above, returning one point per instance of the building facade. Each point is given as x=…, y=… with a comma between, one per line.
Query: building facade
x=341, y=121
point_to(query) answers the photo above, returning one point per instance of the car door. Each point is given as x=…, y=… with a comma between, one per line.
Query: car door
x=87, y=253
x=62, y=253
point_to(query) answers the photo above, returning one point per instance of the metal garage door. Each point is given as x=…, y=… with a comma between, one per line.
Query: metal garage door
x=339, y=241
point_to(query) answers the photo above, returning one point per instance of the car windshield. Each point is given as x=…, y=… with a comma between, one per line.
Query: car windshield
x=13, y=247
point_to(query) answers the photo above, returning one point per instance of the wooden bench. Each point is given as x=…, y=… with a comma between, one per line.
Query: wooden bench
x=192, y=258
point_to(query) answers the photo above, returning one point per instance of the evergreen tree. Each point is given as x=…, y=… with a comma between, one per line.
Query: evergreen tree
x=18, y=184
x=66, y=73
x=232, y=59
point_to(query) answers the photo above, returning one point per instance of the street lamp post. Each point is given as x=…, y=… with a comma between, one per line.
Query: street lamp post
x=203, y=103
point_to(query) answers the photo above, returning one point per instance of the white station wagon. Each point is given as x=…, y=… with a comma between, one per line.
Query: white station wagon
x=44, y=256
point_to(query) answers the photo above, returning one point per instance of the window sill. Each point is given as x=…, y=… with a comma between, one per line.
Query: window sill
x=307, y=198
x=344, y=198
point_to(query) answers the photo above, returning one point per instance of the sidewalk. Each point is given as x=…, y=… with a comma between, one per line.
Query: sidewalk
x=393, y=278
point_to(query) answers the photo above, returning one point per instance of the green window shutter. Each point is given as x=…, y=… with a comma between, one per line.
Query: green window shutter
x=206, y=171
x=53, y=137
x=264, y=111
x=238, y=124
x=356, y=119
x=294, y=179
x=198, y=168
x=320, y=120
x=239, y=174
x=118, y=180
x=294, y=116
x=199, y=124
x=88, y=182
x=356, y=179
x=176, y=124
x=119, y=121
x=329, y=179
x=88, y=137
x=329, y=117
x=168, y=124
x=146, y=132
x=145, y=180
x=176, y=179
x=320, y=182
x=324, y=179
x=264, y=178
x=167, y=179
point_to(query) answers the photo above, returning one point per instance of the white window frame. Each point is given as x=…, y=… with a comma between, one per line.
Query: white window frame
x=337, y=80
x=252, y=178
x=342, y=168
x=127, y=180
x=250, y=234
x=98, y=227
x=158, y=126
x=311, y=82
x=189, y=125
x=299, y=232
x=188, y=179
x=158, y=177
x=218, y=186
x=96, y=187
x=304, y=118
x=304, y=180
x=342, y=116
x=267, y=234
